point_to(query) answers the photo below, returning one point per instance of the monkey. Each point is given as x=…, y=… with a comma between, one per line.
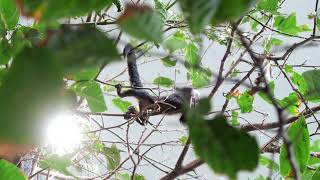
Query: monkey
x=150, y=105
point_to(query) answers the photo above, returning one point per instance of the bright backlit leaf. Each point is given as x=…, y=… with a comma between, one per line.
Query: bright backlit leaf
x=288, y=24
x=163, y=81
x=245, y=102
x=200, y=77
x=291, y=103
x=86, y=74
x=10, y=171
x=234, y=118
x=142, y=22
x=215, y=142
x=9, y=15
x=121, y=104
x=93, y=94
x=299, y=137
x=192, y=54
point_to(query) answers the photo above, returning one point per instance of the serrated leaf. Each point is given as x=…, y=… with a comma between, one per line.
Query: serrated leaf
x=168, y=62
x=47, y=10
x=35, y=79
x=58, y=163
x=163, y=81
x=93, y=94
x=121, y=104
x=112, y=155
x=9, y=15
x=215, y=141
x=299, y=137
x=175, y=42
x=312, y=78
x=245, y=102
x=73, y=48
x=268, y=6
x=270, y=164
x=10, y=171
x=142, y=22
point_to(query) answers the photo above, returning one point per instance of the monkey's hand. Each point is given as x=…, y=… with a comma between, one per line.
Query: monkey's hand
x=132, y=112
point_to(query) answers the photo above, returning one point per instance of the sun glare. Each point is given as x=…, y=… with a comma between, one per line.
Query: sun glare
x=63, y=133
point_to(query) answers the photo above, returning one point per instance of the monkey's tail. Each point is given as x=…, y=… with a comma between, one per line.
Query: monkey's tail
x=134, y=76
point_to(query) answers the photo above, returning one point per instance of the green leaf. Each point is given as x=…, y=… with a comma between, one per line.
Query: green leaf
x=270, y=43
x=3, y=73
x=288, y=69
x=270, y=164
x=312, y=78
x=163, y=81
x=58, y=163
x=200, y=77
x=234, y=118
x=161, y=10
x=289, y=24
x=199, y=13
x=10, y=171
x=183, y=140
x=318, y=18
x=316, y=174
x=307, y=175
x=265, y=96
x=192, y=54
x=291, y=103
x=93, y=94
x=245, y=102
x=37, y=84
x=73, y=48
x=121, y=104
x=270, y=6
x=175, y=42
x=299, y=80
x=299, y=137
x=314, y=148
x=260, y=177
x=168, y=62
x=9, y=15
x=235, y=73
x=126, y=176
x=142, y=22
x=224, y=148
x=86, y=74
x=47, y=10
x=112, y=155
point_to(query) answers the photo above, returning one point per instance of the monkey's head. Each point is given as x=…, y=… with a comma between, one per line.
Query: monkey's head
x=128, y=50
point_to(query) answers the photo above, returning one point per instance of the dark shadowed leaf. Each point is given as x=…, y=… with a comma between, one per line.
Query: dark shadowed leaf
x=312, y=78
x=51, y=10
x=163, y=81
x=93, y=94
x=142, y=22
x=225, y=149
x=299, y=137
x=112, y=155
x=121, y=104
x=10, y=171
x=37, y=84
x=9, y=15
x=81, y=48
